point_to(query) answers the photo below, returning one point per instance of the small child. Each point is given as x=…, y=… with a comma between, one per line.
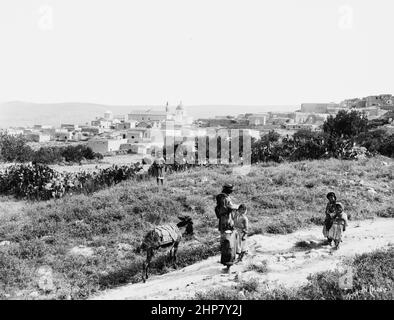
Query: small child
x=241, y=225
x=339, y=225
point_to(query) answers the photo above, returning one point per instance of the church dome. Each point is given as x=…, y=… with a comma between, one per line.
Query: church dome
x=180, y=107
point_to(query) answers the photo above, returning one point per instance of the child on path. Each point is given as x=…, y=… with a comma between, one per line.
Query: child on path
x=339, y=224
x=241, y=225
x=330, y=213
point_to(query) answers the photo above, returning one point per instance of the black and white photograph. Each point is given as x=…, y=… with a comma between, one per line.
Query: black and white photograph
x=196, y=155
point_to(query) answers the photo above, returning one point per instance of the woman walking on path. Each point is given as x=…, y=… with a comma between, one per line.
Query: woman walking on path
x=228, y=236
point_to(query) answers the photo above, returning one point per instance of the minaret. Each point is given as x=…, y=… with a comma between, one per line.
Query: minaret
x=167, y=108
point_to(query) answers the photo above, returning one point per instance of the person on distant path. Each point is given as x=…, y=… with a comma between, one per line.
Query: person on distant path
x=158, y=170
x=339, y=224
x=241, y=225
x=330, y=213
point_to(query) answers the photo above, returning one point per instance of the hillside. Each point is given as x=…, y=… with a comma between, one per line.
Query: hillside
x=88, y=241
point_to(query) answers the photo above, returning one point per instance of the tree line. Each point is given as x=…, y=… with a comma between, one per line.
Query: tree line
x=16, y=149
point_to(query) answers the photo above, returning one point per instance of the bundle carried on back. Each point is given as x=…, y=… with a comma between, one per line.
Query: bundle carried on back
x=223, y=212
x=167, y=233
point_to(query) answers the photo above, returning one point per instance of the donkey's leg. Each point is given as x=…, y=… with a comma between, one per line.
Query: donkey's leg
x=149, y=256
x=176, y=244
x=171, y=253
x=144, y=268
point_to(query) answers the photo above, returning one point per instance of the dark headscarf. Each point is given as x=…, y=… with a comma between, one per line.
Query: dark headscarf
x=331, y=194
x=228, y=188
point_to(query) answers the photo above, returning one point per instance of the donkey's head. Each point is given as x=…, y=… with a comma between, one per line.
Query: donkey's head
x=188, y=222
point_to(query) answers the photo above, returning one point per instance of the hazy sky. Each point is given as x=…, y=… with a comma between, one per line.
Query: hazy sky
x=201, y=51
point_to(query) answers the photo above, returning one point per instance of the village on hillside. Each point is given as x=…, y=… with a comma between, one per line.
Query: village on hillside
x=141, y=132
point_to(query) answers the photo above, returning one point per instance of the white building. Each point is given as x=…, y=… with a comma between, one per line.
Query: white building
x=307, y=117
x=38, y=137
x=180, y=117
x=102, y=123
x=105, y=145
x=69, y=127
x=63, y=135
x=136, y=148
x=138, y=135
x=108, y=115
x=257, y=119
x=125, y=125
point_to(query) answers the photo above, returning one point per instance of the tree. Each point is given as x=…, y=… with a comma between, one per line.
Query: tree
x=271, y=136
x=377, y=141
x=14, y=148
x=346, y=124
x=305, y=135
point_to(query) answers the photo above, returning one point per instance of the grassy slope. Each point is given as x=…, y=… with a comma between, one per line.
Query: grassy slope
x=280, y=198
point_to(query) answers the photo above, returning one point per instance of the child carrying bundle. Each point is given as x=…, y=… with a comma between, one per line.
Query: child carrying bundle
x=339, y=225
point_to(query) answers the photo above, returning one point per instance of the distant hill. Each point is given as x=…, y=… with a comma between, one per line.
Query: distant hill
x=18, y=113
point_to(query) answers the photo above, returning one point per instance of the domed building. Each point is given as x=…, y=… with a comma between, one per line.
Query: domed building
x=181, y=117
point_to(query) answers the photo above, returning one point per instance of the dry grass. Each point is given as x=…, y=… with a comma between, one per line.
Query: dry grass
x=373, y=279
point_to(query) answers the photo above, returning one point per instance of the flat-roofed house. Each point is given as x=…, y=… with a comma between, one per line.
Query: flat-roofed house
x=136, y=148
x=105, y=145
x=38, y=137
x=138, y=135
x=102, y=123
x=125, y=125
x=63, y=135
x=69, y=127
x=317, y=107
x=257, y=119
x=302, y=117
x=92, y=130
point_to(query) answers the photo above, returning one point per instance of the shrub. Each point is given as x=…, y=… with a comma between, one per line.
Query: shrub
x=260, y=267
x=346, y=124
x=14, y=148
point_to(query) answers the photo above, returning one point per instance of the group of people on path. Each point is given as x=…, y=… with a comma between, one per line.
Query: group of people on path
x=233, y=225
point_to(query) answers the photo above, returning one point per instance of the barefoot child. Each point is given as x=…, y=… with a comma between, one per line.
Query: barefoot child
x=338, y=226
x=330, y=213
x=241, y=225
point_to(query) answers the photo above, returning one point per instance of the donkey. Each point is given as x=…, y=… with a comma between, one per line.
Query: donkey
x=165, y=236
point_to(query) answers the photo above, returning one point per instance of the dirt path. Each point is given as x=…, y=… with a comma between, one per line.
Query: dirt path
x=287, y=264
